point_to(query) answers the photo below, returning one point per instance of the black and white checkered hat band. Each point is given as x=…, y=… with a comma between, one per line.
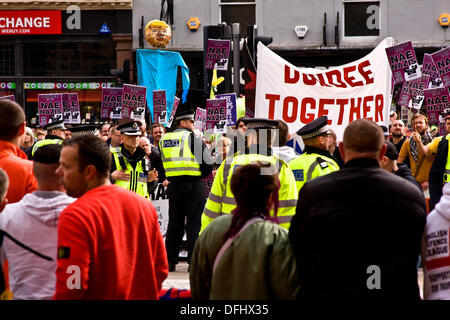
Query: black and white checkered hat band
x=316, y=133
x=257, y=125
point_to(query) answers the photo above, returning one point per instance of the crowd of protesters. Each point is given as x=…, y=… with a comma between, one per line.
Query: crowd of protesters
x=334, y=219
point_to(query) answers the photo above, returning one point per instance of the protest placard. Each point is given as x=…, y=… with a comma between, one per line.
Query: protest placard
x=74, y=104
x=412, y=93
x=437, y=101
x=176, y=101
x=231, y=107
x=67, y=111
x=217, y=54
x=442, y=61
x=159, y=107
x=403, y=61
x=10, y=97
x=49, y=108
x=200, y=119
x=216, y=116
x=429, y=68
x=133, y=102
x=111, y=107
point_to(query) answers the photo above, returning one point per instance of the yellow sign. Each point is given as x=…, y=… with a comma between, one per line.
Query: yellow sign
x=444, y=20
x=193, y=23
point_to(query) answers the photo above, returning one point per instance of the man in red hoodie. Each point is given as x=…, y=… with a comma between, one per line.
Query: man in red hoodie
x=109, y=242
x=12, y=159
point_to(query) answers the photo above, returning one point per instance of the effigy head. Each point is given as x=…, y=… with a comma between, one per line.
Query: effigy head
x=158, y=34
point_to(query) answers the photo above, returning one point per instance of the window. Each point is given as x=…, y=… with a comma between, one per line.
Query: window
x=243, y=12
x=361, y=18
x=69, y=59
x=7, y=60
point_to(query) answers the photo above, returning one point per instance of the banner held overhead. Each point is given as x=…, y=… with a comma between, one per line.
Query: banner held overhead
x=360, y=89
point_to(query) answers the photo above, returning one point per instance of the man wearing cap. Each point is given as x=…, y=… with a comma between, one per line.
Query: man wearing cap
x=55, y=134
x=315, y=160
x=33, y=221
x=260, y=134
x=389, y=163
x=131, y=168
x=186, y=161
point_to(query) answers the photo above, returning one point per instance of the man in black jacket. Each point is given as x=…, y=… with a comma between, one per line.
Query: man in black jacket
x=357, y=232
x=389, y=163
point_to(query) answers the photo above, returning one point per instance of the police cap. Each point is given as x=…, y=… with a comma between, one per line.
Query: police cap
x=130, y=128
x=260, y=123
x=385, y=130
x=85, y=129
x=314, y=128
x=185, y=115
x=55, y=125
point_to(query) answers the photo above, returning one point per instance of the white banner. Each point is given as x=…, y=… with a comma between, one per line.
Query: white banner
x=360, y=89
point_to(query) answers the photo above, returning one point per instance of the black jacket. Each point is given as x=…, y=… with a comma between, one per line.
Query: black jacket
x=405, y=172
x=351, y=219
x=435, y=182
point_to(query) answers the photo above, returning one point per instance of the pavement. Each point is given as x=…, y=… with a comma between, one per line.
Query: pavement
x=180, y=278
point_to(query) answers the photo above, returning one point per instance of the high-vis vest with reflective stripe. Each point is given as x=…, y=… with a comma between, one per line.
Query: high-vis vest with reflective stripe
x=447, y=165
x=176, y=155
x=138, y=177
x=309, y=166
x=221, y=199
x=45, y=142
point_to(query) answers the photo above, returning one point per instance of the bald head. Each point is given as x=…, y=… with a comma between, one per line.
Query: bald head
x=12, y=119
x=363, y=138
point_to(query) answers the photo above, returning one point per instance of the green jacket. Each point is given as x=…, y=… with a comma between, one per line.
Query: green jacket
x=259, y=264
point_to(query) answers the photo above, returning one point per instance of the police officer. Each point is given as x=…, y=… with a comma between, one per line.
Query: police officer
x=440, y=169
x=131, y=167
x=315, y=160
x=260, y=133
x=55, y=134
x=186, y=161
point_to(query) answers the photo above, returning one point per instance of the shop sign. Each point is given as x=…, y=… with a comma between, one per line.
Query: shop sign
x=66, y=85
x=30, y=22
x=7, y=85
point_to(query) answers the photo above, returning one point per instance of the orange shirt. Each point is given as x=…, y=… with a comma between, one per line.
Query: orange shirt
x=19, y=170
x=422, y=174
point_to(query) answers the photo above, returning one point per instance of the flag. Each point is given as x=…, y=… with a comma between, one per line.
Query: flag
x=214, y=83
x=249, y=76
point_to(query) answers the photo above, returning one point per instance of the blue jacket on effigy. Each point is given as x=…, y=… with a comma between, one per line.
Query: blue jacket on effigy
x=157, y=70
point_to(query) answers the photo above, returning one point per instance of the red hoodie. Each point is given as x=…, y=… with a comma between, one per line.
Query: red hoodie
x=19, y=170
x=110, y=247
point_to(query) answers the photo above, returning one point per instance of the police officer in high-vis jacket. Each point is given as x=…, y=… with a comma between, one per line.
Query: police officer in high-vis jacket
x=260, y=133
x=131, y=168
x=186, y=161
x=55, y=135
x=315, y=160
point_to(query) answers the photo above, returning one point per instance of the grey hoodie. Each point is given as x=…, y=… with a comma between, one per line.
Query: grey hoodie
x=33, y=221
x=285, y=153
x=436, y=250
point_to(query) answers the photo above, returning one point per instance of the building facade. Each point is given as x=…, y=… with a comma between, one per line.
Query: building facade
x=337, y=31
x=63, y=46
